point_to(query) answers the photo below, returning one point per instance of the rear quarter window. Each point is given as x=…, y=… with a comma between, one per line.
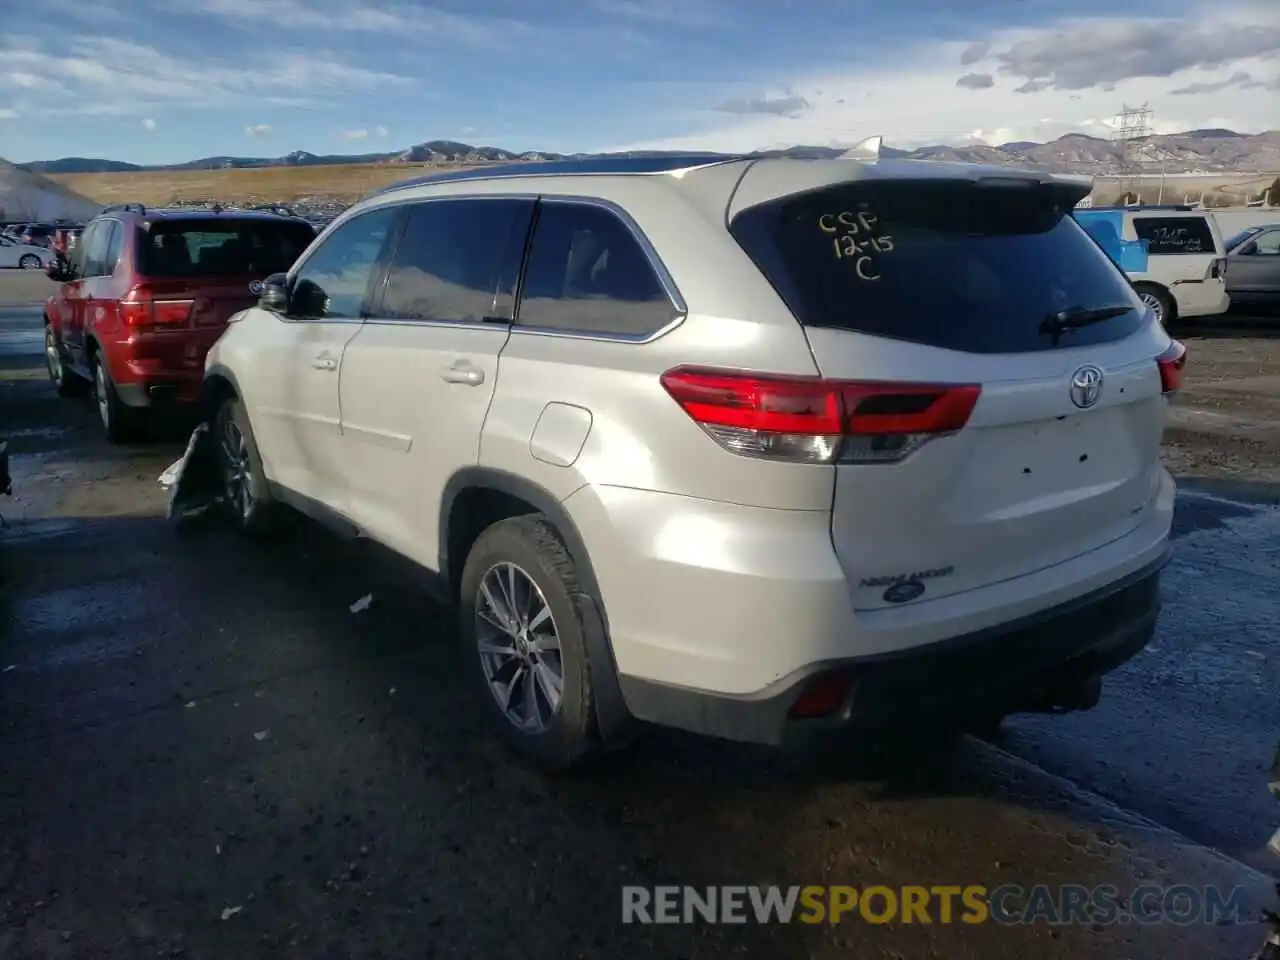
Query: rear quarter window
x=222, y=247
x=1174, y=235
x=948, y=264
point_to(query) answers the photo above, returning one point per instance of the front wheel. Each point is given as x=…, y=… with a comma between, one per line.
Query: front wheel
x=245, y=493
x=63, y=379
x=526, y=640
x=29, y=261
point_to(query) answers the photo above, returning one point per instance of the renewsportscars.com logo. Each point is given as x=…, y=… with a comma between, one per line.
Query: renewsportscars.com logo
x=1065, y=904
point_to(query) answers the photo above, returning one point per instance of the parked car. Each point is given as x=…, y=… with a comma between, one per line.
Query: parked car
x=1253, y=268
x=144, y=295
x=14, y=253
x=38, y=234
x=753, y=447
x=1185, y=274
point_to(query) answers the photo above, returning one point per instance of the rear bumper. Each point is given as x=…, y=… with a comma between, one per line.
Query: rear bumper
x=161, y=391
x=1201, y=298
x=997, y=667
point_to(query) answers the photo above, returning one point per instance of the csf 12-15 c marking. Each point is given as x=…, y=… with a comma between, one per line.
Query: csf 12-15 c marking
x=853, y=237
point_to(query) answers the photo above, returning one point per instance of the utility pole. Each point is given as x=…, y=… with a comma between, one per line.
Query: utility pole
x=1129, y=132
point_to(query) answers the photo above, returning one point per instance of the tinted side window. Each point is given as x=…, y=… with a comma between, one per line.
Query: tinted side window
x=96, y=256
x=587, y=272
x=87, y=248
x=1268, y=244
x=1167, y=235
x=334, y=280
x=112, y=255
x=457, y=260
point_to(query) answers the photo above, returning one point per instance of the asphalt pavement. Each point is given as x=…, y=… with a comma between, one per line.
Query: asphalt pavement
x=205, y=753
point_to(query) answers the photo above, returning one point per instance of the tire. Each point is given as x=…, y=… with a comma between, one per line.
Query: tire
x=529, y=547
x=64, y=380
x=1159, y=300
x=120, y=422
x=246, y=495
x=29, y=261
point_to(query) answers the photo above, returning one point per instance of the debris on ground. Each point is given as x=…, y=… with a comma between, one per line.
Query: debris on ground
x=230, y=912
x=362, y=604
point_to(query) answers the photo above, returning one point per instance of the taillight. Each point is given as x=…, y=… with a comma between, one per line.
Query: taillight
x=812, y=420
x=140, y=309
x=823, y=696
x=1171, y=363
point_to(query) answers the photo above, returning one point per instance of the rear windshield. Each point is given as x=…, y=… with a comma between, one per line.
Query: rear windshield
x=955, y=265
x=1171, y=235
x=225, y=247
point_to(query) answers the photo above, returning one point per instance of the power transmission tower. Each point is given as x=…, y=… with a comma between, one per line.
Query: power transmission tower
x=1130, y=131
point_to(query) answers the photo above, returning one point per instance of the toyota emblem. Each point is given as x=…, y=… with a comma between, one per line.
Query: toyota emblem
x=256, y=287
x=1086, y=387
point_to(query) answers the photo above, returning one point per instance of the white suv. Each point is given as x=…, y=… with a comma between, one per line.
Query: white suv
x=751, y=447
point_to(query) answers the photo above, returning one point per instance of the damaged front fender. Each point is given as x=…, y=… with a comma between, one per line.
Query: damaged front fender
x=195, y=481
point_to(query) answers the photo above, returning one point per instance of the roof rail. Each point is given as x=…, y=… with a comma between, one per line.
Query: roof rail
x=125, y=208
x=614, y=164
x=279, y=209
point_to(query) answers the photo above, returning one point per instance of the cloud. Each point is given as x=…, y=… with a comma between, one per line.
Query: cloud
x=974, y=53
x=1241, y=78
x=976, y=81
x=148, y=123
x=663, y=12
x=353, y=135
x=106, y=76
x=380, y=131
x=919, y=101
x=1090, y=54
x=259, y=130
x=8, y=114
x=788, y=106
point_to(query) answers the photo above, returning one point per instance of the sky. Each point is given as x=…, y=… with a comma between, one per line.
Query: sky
x=165, y=81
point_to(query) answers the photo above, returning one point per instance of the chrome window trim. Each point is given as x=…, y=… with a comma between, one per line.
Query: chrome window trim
x=675, y=299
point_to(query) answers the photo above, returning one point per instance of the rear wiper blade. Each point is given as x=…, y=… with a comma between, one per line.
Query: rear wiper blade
x=1073, y=318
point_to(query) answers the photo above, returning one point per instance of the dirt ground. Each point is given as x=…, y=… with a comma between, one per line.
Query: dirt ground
x=345, y=182
x=1224, y=428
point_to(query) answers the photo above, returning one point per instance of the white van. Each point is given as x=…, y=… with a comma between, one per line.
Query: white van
x=1186, y=262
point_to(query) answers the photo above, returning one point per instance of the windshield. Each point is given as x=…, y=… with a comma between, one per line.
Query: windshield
x=225, y=247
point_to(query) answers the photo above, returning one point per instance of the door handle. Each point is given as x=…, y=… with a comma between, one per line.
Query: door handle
x=324, y=362
x=463, y=372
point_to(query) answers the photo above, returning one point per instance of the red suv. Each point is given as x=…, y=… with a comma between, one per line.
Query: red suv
x=145, y=293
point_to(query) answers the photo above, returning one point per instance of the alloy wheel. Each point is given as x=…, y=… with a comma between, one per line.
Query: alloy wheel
x=519, y=647
x=52, y=355
x=100, y=394
x=1152, y=301
x=29, y=262
x=237, y=477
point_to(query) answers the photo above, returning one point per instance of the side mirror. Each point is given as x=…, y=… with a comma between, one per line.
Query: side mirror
x=275, y=294
x=58, y=272
x=309, y=300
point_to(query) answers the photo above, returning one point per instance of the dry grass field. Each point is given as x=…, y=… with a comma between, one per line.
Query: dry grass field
x=346, y=182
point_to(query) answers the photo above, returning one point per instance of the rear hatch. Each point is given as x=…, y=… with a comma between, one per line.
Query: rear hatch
x=195, y=274
x=1004, y=405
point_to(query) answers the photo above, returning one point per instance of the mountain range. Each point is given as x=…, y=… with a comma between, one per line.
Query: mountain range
x=1206, y=151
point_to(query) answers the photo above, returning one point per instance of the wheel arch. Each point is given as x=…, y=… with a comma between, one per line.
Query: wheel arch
x=219, y=385
x=476, y=497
